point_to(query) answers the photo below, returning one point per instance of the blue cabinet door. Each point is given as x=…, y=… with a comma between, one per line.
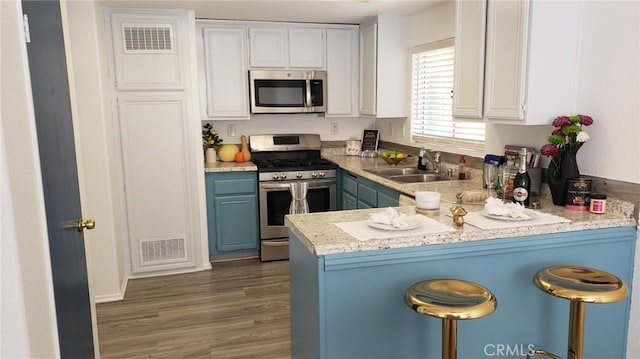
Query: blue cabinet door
x=211, y=218
x=349, y=201
x=232, y=211
x=236, y=222
x=388, y=200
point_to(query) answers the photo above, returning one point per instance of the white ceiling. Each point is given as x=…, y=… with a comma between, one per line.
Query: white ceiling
x=336, y=11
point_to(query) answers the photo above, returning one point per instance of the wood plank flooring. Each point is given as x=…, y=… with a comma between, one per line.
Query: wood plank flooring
x=236, y=310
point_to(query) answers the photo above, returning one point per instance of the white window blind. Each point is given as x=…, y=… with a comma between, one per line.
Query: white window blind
x=432, y=119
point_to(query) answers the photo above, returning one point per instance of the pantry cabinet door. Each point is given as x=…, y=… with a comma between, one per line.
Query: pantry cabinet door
x=225, y=69
x=154, y=133
x=506, y=56
x=306, y=48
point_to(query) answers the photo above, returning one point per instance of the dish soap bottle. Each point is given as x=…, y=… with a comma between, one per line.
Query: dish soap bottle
x=462, y=171
x=422, y=159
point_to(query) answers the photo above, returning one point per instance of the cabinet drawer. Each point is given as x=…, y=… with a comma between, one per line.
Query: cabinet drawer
x=233, y=186
x=367, y=194
x=349, y=185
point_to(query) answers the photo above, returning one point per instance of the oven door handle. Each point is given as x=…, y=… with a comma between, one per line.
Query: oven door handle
x=271, y=185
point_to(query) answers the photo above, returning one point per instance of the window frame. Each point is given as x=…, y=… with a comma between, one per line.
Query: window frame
x=446, y=144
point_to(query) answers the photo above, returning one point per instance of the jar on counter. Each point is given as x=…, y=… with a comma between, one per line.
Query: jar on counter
x=598, y=203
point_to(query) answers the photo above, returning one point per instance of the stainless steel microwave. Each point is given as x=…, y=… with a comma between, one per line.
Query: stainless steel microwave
x=274, y=91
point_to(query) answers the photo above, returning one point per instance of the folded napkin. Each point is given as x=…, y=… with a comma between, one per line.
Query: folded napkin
x=391, y=217
x=496, y=207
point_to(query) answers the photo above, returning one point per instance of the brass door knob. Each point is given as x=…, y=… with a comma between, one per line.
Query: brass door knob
x=88, y=224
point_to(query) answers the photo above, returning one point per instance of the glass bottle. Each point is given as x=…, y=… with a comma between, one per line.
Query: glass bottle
x=522, y=182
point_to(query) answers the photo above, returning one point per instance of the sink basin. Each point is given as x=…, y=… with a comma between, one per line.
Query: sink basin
x=422, y=177
x=393, y=171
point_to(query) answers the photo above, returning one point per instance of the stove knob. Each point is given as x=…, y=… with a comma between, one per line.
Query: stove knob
x=321, y=174
x=298, y=175
x=314, y=175
x=275, y=176
x=283, y=176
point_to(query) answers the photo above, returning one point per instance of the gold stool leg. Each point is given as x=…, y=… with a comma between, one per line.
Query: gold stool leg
x=576, y=330
x=449, y=338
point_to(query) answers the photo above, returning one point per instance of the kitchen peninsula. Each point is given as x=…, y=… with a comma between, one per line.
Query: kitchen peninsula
x=347, y=295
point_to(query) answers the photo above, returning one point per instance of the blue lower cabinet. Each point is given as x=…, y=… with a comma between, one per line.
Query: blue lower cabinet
x=349, y=201
x=232, y=211
x=351, y=305
x=358, y=193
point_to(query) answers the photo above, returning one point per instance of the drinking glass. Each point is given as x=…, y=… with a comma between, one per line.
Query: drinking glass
x=490, y=172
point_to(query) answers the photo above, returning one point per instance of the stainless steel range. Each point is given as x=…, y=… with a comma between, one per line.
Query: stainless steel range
x=292, y=179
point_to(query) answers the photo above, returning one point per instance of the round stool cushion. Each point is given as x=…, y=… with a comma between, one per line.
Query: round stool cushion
x=450, y=299
x=581, y=284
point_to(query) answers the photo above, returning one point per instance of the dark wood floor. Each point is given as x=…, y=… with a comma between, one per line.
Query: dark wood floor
x=236, y=310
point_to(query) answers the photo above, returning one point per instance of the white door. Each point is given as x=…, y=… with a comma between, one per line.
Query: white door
x=306, y=48
x=153, y=132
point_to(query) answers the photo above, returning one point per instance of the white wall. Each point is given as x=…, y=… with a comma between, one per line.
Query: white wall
x=294, y=123
x=27, y=312
x=96, y=152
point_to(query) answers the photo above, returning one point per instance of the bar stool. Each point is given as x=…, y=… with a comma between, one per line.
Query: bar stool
x=580, y=285
x=451, y=300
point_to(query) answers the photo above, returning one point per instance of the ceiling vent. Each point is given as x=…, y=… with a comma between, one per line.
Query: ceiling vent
x=145, y=38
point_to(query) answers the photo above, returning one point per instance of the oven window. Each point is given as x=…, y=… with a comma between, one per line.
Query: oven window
x=280, y=93
x=319, y=199
x=278, y=203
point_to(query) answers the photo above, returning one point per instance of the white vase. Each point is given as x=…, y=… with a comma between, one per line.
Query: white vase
x=210, y=155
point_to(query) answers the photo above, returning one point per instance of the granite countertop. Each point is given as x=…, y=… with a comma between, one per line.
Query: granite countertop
x=317, y=232
x=220, y=166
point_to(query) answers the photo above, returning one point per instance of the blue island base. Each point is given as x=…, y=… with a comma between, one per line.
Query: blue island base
x=351, y=305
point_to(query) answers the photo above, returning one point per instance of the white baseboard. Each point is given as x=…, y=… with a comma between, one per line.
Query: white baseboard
x=106, y=298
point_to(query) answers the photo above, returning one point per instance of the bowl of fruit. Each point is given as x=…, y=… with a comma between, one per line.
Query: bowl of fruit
x=393, y=157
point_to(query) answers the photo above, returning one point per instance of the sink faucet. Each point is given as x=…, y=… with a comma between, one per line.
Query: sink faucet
x=434, y=161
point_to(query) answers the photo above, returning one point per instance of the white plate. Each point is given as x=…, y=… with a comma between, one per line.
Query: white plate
x=530, y=215
x=413, y=223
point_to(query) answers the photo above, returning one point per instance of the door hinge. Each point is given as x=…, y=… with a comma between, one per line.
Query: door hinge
x=25, y=24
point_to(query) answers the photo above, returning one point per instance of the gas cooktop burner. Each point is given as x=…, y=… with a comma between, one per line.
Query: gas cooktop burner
x=294, y=165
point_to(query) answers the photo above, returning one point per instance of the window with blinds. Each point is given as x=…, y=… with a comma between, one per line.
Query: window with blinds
x=432, y=119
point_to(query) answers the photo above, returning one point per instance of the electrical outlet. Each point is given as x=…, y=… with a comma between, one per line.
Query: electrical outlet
x=231, y=130
x=404, y=130
x=390, y=129
x=334, y=128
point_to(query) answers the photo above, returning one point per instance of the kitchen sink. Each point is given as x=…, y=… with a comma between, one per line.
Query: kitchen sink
x=394, y=171
x=407, y=174
x=422, y=177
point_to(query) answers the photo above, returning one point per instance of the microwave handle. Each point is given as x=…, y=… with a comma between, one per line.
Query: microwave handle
x=308, y=102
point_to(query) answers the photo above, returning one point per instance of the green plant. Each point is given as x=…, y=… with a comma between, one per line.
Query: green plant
x=210, y=137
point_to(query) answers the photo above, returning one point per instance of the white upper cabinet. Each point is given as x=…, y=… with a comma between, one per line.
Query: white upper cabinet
x=223, y=71
x=143, y=38
x=531, y=60
x=267, y=47
x=368, y=68
x=295, y=46
x=342, y=72
x=468, y=87
x=384, y=67
x=306, y=48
